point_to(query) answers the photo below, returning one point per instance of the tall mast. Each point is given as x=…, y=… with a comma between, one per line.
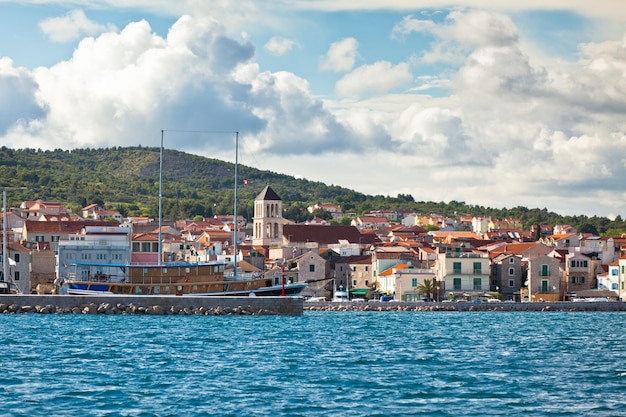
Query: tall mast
x=5, y=276
x=235, y=209
x=160, y=200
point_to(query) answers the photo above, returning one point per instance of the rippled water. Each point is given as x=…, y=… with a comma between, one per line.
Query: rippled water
x=320, y=364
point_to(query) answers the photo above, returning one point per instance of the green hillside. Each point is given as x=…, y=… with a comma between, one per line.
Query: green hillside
x=127, y=179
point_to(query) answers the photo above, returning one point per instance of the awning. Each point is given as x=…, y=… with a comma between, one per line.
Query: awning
x=359, y=291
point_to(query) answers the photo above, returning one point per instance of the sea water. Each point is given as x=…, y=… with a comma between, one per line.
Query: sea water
x=319, y=364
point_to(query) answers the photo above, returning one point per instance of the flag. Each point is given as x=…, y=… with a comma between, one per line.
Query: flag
x=11, y=261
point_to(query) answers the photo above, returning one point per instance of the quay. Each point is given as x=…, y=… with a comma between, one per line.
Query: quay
x=147, y=304
x=434, y=306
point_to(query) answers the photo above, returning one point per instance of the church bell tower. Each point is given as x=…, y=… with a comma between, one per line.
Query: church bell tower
x=268, y=219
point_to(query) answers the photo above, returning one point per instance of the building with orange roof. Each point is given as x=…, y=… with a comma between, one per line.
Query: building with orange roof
x=32, y=210
x=402, y=279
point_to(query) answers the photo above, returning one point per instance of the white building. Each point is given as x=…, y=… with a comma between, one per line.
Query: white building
x=106, y=247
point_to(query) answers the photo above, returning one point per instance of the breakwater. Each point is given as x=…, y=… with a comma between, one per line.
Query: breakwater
x=421, y=306
x=154, y=305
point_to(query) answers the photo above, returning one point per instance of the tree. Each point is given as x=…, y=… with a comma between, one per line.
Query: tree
x=427, y=288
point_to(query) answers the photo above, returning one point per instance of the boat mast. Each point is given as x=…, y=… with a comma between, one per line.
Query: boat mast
x=4, y=236
x=160, y=200
x=235, y=209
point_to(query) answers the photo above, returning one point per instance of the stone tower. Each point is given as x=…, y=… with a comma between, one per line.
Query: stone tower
x=268, y=219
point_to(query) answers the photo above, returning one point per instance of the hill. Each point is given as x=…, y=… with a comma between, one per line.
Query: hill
x=127, y=179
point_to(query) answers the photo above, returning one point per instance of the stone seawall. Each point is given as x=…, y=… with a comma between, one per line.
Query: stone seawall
x=418, y=306
x=145, y=304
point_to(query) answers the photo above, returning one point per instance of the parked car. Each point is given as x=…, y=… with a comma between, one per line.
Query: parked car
x=494, y=300
x=427, y=299
x=386, y=298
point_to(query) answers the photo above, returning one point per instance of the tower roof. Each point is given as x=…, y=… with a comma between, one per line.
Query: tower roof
x=268, y=194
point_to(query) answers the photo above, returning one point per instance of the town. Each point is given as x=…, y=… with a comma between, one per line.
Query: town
x=382, y=255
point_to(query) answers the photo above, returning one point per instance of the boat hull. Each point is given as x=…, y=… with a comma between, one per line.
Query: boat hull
x=258, y=287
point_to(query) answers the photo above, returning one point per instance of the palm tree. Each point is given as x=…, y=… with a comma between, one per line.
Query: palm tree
x=427, y=288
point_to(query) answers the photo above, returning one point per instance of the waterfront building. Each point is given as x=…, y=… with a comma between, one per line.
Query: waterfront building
x=106, y=246
x=52, y=232
x=610, y=280
x=545, y=280
x=581, y=271
x=621, y=282
x=464, y=273
x=402, y=281
x=18, y=266
x=508, y=275
x=354, y=273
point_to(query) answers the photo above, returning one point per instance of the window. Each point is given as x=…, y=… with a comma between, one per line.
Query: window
x=312, y=268
x=511, y=283
x=614, y=286
x=478, y=268
x=354, y=269
x=544, y=285
x=511, y=260
x=545, y=271
x=17, y=275
x=511, y=272
x=16, y=257
x=414, y=282
x=366, y=268
x=457, y=283
x=478, y=284
x=578, y=280
x=456, y=267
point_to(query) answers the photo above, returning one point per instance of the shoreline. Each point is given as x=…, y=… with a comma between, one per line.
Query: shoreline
x=564, y=306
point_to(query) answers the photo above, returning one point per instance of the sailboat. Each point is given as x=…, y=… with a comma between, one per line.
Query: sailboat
x=173, y=278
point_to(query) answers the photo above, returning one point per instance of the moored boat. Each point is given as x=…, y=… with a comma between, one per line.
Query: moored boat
x=180, y=278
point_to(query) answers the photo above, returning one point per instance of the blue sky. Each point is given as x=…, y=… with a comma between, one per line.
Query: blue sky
x=479, y=101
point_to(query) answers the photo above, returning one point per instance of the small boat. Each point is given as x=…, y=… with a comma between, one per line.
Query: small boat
x=341, y=296
x=180, y=278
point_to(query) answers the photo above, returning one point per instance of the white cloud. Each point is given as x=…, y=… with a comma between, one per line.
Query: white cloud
x=279, y=46
x=340, y=56
x=511, y=130
x=74, y=25
x=122, y=88
x=18, y=102
x=377, y=78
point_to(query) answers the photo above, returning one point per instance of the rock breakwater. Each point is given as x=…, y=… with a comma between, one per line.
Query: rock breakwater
x=156, y=310
x=150, y=305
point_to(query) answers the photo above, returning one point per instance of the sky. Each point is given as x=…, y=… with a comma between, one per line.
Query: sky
x=480, y=101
